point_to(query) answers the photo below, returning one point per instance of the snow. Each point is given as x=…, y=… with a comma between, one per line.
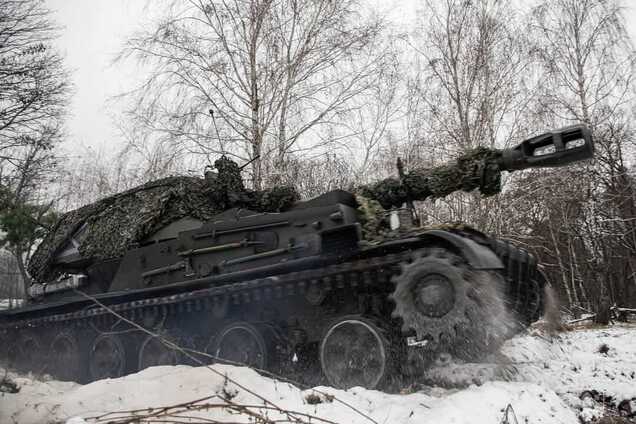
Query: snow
x=10, y=303
x=569, y=365
x=575, y=363
x=542, y=380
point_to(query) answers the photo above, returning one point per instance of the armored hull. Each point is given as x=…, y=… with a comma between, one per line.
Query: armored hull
x=306, y=292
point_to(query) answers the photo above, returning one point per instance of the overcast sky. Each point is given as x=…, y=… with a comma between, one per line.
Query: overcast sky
x=93, y=32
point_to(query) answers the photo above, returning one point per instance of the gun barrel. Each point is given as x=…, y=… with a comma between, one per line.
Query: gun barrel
x=552, y=149
x=481, y=168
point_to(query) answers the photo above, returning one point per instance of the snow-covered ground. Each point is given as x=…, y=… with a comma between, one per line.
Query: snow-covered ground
x=577, y=376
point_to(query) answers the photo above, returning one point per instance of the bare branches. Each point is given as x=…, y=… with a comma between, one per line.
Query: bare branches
x=269, y=69
x=588, y=68
x=189, y=412
x=474, y=62
x=33, y=83
x=33, y=94
x=588, y=58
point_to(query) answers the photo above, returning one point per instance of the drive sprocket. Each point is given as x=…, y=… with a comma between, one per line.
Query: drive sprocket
x=454, y=308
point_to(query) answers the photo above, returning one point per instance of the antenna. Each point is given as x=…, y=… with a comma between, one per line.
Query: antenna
x=211, y=111
x=218, y=137
x=214, y=122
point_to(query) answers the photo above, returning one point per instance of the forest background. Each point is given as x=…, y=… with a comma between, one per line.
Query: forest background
x=322, y=95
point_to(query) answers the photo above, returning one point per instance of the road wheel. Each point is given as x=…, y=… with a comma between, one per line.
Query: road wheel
x=354, y=352
x=107, y=357
x=240, y=343
x=155, y=351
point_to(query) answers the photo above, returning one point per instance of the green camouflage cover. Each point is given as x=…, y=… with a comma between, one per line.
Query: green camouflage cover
x=109, y=227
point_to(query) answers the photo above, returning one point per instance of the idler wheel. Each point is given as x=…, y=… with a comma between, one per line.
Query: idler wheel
x=440, y=299
x=536, y=303
x=354, y=352
x=65, y=357
x=27, y=353
x=107, y=357
x=240, y=343
x=154, y=351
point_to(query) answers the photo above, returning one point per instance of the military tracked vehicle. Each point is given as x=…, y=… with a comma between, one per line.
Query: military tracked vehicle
x=330, y=287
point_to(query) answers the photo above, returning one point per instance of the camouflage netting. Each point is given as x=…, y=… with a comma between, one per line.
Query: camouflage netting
x=374, y=220
x=115, y=223
x=476, y=169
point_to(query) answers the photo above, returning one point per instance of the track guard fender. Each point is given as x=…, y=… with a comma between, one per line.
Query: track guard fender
x=478, y=256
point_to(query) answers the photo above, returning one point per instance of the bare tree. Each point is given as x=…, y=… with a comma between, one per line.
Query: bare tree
x=10, y=278
x=474, y=63
x=33, y=94
x=588, y=63
x=472, y=86
x=588, y=57
x=267, y=70
x=361, y=133
x=318, y=175
x=33, y=82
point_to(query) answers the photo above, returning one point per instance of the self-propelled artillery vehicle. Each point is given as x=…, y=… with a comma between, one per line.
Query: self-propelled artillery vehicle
x=327, y=287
